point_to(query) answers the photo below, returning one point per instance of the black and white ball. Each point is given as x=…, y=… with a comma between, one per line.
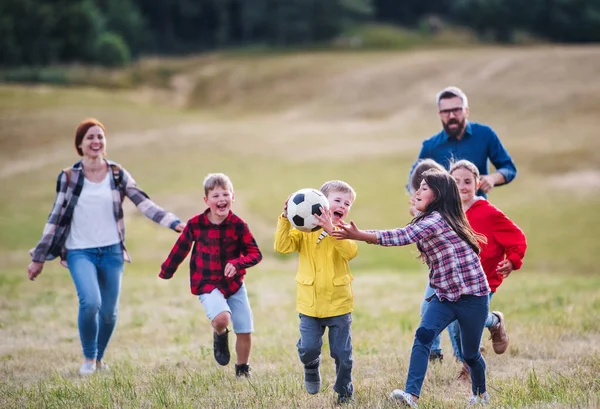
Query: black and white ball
x=302, y=206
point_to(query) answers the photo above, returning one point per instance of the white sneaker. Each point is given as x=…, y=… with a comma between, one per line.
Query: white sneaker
x=402, y=397
x=88, y=368
x=482, y=399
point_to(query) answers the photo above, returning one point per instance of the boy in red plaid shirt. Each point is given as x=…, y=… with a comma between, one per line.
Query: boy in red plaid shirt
x=223, y=248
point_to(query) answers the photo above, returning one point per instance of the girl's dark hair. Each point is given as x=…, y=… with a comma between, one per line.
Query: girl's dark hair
x=417, y=174
x=447, y=203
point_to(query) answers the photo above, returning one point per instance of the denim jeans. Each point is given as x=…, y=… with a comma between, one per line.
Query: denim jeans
x=436, y=346
x=340, y=343
x=96, y=273
x=471, y=312
x=455, y=338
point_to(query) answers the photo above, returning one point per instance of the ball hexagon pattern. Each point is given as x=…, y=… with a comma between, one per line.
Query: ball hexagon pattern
x=302, y=206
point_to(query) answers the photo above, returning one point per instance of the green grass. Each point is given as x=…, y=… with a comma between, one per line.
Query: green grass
x=276, y=123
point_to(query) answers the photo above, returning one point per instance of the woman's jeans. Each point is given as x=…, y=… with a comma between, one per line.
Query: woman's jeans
x=97, y=274
x=471, y=312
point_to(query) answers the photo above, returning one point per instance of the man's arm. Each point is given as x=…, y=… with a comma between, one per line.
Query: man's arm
x=506, y=170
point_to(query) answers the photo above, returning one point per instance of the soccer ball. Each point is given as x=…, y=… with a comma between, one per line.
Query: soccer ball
x=301, y=207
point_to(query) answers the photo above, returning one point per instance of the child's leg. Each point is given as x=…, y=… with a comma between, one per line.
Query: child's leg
x=309, y=350
x=455, y=340
x=436, y=346
x=471, y=313
x=243, y=344
x=219, y=314
x=311, y=340
x=340, y=344
x=243, y=324
x=491, y=318
x=437, y=317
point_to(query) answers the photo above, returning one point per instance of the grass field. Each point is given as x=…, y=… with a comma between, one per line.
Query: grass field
x=276, y=124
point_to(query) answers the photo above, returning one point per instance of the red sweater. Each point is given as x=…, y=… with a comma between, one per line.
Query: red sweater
x=505, y=239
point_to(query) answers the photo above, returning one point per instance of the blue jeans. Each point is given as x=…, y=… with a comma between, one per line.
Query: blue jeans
x=97, y=274
x=340, y=343
x=471, y=312
x=436, y=346
x=455, y=338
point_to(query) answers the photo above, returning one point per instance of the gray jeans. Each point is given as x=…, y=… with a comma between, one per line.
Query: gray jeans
x=340, y=343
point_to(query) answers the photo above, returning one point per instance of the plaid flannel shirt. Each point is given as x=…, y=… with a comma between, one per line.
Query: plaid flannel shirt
x=454, y=268
x=58, y=225
x=214, y=246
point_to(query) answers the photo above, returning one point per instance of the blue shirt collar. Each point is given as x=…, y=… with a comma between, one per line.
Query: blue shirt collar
x=468, y=131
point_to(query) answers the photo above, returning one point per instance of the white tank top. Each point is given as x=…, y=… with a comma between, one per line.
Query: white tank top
x=93, y=223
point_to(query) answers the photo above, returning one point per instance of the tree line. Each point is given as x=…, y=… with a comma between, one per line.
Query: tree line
x=112, y=32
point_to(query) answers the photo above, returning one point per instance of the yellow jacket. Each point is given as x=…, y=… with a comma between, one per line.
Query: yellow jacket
x=323, y=281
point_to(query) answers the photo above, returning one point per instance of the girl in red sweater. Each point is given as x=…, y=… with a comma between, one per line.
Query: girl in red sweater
x=503, y=253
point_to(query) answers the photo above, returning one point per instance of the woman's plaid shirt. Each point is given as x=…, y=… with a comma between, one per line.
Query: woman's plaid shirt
x=454, y=268
x=214, y=246
x=58, y=225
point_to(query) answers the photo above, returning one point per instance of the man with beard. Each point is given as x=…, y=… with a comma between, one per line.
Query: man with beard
x=462, y=139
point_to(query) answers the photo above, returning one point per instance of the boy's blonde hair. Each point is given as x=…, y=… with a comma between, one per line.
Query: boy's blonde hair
x=337, y=186
x=417, y=174
x=214, y=180
x=465, y=164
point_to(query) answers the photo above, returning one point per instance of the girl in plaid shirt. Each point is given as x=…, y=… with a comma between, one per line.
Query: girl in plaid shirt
x=450, y=248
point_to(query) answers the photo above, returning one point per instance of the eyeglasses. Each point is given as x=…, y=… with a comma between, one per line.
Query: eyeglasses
x=456, y=111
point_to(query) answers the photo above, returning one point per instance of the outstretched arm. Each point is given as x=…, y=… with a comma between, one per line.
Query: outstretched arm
x=423, y=229
x=178, y=253
x=145, y=205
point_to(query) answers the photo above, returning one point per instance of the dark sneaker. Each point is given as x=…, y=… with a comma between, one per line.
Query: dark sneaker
x=436, y=356
x=312, y=379
x=498, y=334
x=242, y=370
x=345, y=399
x=221, y=347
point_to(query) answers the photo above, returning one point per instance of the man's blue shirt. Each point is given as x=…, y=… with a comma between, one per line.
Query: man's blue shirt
x=478, y=144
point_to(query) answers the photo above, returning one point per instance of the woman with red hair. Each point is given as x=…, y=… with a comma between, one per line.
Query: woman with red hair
x=87, y=231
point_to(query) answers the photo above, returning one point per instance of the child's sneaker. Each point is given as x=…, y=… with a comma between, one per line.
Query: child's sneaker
x=242, y=370
x=499, y=335
x=312, y=378
x=345, y=399
x=436, y=356
x=404, y=398
x=88, y=368
x=482, y=399
x=221, y=347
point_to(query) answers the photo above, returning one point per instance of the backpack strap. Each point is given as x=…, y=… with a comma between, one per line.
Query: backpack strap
x=118, y=177
x=68, y=173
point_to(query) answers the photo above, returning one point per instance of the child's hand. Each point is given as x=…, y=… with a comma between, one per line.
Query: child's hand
x=179, y=228
x=504, y=268
x=347, y=231
x=411, y=206
x=285, y=206
x=324, y=220
x=230, y=270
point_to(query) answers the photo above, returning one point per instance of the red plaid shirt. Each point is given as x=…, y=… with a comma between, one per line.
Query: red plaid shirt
x=215, y=245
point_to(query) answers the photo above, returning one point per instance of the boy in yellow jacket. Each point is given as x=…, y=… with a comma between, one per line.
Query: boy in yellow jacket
x=324, y=290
